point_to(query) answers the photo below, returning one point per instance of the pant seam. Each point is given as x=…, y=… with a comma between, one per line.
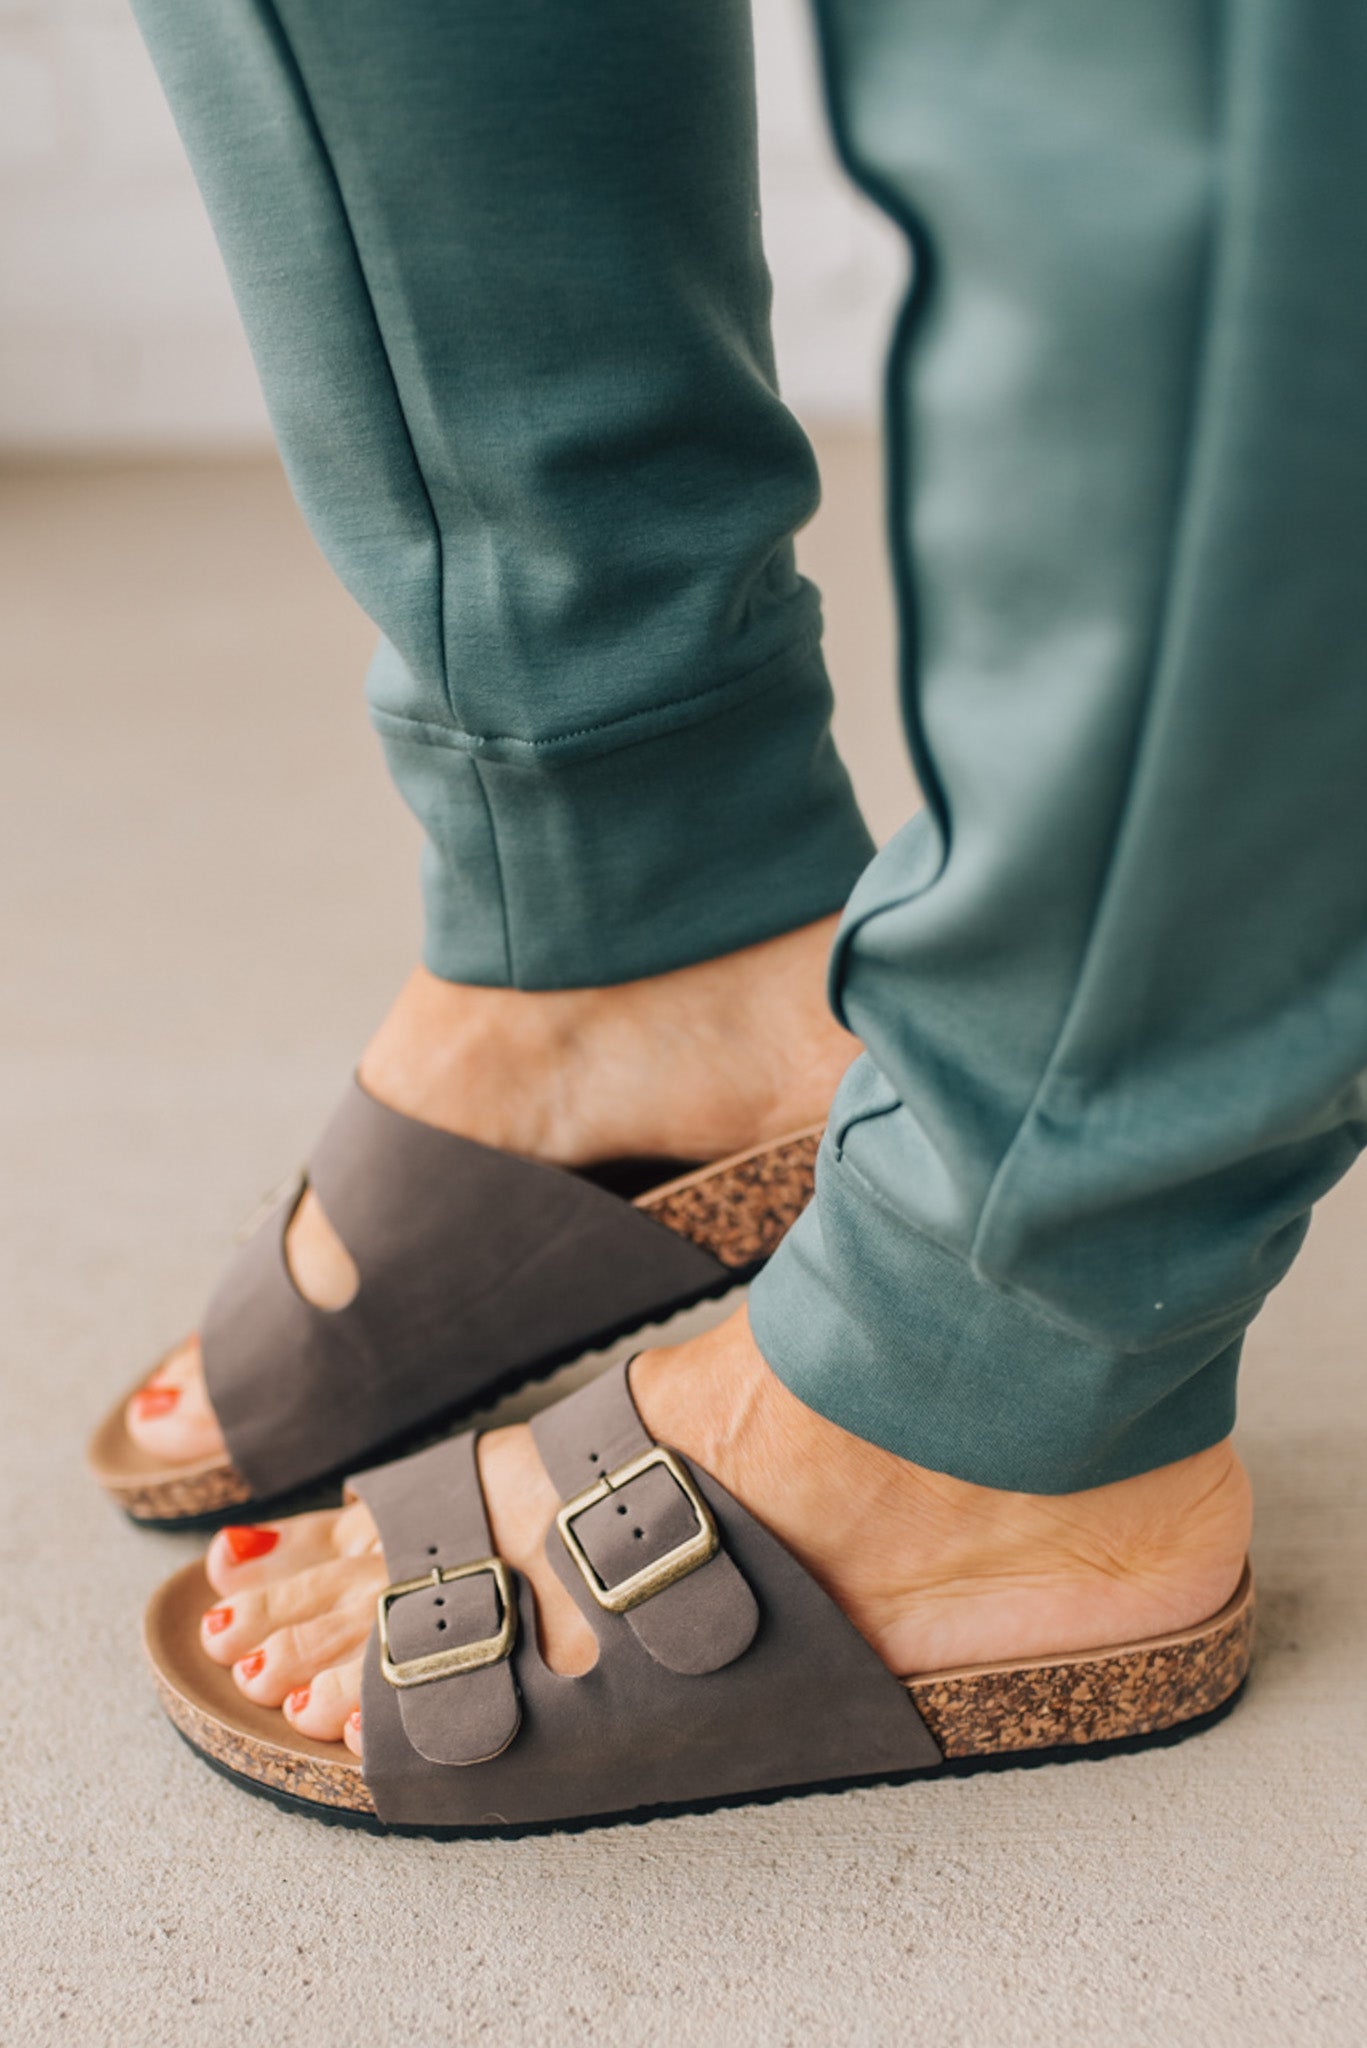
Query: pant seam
x=896, y=411
x=897, y=460
x=498, y=875
x=290, y=63
x=738, y=688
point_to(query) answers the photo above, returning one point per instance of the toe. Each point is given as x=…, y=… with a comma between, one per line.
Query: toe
x=354, y=1531
x=251, y=1555
x=290, y=1660
x=252, y=1615
x=522, y=1504
x=324, y=1706
x=351, y=1733
x=170, y=1416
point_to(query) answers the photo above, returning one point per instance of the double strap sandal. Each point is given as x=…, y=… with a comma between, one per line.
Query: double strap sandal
x=478, y=1270
x=724, y=1673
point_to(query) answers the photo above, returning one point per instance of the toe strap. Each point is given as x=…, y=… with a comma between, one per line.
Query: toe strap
x=639, y=1532
x=473, y=1265
x=448, y=1620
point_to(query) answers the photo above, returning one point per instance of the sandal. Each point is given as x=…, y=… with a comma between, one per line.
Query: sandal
x=724, y=1675
x=479, y=1270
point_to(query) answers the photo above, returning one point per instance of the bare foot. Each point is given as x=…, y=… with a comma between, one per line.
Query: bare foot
x=690, y=1065
x=934, y=1572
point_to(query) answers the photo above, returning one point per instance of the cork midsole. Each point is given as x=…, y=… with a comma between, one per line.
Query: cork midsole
x=1123, y=1692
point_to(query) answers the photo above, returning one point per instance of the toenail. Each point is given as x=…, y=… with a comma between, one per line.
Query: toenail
x=297, y=1700
x=216, y=1620
x=252, y=1665
x=247, y=1543
x=353, y=1720
x=150, y=1402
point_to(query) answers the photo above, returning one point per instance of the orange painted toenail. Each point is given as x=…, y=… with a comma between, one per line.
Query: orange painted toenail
x=150, y=1402
x=252, y=1665
x=297, y=1700
x=216, y=1620
x=246, y=1543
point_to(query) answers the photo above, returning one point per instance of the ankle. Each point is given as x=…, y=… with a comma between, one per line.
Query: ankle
x=702, y=1061
x=460, y=1056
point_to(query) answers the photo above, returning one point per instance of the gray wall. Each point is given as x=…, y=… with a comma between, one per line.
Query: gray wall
x=117, y=330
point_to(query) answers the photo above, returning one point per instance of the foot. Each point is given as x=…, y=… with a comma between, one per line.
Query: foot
x=933, y=1572
x=690, y=1065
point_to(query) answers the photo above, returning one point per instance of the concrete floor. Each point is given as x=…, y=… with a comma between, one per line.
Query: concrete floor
x=209, y=897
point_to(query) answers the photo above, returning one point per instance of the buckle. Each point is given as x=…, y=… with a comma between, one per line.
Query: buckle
x=461, y=1656
x=676, y=1564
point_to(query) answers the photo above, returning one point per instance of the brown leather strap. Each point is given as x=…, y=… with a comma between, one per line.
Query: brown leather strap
x=474, y=1266
x=430, y=1513
x=704, y=1620
x=806, y=1703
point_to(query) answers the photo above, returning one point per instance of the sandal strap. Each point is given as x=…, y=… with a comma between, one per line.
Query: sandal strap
x=639, y=1530
x=802, y=1701
x=451, y=1608
x=473, y=1264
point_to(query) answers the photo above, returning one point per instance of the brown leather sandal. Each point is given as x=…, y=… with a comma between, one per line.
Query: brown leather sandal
x=724, y=1674
x=479, y=1270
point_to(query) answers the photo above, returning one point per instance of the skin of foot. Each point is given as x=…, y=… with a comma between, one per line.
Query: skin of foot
x=707, y=1060
x=934, y=1572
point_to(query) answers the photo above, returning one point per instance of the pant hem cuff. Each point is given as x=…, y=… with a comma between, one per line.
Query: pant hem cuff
x=573, y=869
x=898, y=1340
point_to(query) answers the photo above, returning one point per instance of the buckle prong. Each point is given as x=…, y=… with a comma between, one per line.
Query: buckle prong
x=665, y=1571
x=462, y=1656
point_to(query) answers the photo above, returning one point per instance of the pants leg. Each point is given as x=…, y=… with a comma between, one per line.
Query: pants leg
x=500, y=267
x=1113, y=983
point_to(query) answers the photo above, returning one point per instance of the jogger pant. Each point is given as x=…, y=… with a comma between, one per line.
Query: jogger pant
x=500, y=265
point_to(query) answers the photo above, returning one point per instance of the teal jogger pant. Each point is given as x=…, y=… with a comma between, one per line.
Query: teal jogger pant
x=500, y=264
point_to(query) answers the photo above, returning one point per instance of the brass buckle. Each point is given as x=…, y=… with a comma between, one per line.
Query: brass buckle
x=676, y=1564
x=462, y=1656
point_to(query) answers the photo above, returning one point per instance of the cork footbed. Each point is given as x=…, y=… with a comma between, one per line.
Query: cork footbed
x=739, y=1209
x=1118, y=1695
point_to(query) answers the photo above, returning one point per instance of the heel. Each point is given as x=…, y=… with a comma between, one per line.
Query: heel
x=1101, y=1696
x=741, y=1209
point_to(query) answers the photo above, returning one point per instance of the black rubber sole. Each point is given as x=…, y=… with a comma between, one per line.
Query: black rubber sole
x=957, y=1767
x=324, y=1489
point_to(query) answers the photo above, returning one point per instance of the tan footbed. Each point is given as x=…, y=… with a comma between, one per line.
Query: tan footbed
x=739, y=1209
x=1126, y=1691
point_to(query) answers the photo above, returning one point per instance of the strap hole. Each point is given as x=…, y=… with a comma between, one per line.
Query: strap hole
x=439, y=1602
x=593, y=1457
x=441, y=1624
x=638, y=1532
x=621, y=1510
x=431, y=1550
